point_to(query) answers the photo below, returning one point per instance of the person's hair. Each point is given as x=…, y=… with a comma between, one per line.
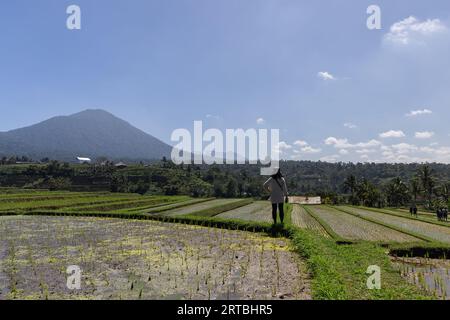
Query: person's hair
x=277, y=175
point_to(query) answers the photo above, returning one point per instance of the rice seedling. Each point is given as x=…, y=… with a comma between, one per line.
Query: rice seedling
x=131, y=259
x=354, y=228
x=435, y=232
x=431, y=275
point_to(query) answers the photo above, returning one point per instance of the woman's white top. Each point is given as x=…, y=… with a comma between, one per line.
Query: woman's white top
x=277, y=192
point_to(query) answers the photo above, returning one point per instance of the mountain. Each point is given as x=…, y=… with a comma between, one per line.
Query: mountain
x=90, y=133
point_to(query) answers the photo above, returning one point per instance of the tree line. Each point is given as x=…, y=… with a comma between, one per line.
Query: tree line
x=367, y=184
x=423, y=188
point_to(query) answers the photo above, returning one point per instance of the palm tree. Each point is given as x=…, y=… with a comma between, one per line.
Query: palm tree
x=415, y=189
x=425, y=176
x=397, y=193
x=351, y=184
x=445, y=191
x=368, y=193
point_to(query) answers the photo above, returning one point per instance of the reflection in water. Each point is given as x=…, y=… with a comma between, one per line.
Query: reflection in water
x=431, y=274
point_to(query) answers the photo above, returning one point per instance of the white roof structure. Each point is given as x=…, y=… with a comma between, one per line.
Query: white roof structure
x=82, y=159
x=305, y=200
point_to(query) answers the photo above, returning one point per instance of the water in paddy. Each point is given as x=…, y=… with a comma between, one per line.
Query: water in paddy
x=433, y=275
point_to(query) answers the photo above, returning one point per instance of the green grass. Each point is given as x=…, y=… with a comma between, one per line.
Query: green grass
x=339, y=271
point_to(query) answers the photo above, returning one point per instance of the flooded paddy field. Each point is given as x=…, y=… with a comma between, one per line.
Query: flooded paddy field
x=131, y=259
x=433, y=275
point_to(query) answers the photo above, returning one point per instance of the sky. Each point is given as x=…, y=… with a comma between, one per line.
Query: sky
x=336, y=90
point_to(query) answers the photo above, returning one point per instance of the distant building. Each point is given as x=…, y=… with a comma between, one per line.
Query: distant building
x=120, y=165
x=84, y=160
x=305, y=200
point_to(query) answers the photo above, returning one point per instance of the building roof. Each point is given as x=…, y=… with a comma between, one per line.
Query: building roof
x=120, y=164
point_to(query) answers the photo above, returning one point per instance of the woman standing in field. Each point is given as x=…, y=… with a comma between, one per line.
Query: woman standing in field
x=276, y=185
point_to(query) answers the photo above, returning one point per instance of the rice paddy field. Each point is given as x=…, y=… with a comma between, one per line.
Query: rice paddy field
x=430, y=274
x=435, y=232
x=422, y=215
x=126, y=259
x=260, y=211
x=354, y=228
x=302, y=219
x=22, y=202
x=202, y=207
x=178, y=247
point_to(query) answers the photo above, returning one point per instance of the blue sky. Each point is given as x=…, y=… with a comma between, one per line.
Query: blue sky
x=336, y=90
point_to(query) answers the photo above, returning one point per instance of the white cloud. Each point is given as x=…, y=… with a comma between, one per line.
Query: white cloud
x=413, y=31
x=443, y=151
x=343, y=152
x=369, y=144
x=415, y=113
x=260, y=121
x=284, y=146
x=424, y=135
x=392, y=134
x=212, y=116
x=350, y=125
x=365, y=151
x=403, y=148
x=309, y=149
x=337, y=143
x=344, y=144
x=324, y=75
x=301, y=143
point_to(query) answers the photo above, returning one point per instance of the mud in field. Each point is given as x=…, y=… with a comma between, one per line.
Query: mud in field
x=128, y=259
x=433, y=275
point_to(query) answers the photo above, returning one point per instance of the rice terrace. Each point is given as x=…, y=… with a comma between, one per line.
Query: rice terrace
x=130, y=246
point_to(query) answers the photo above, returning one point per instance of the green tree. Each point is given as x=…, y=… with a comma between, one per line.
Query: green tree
x=445, y=191
x=351, y=184
x=397, y=193
x=414, y=188
x=425, y=176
